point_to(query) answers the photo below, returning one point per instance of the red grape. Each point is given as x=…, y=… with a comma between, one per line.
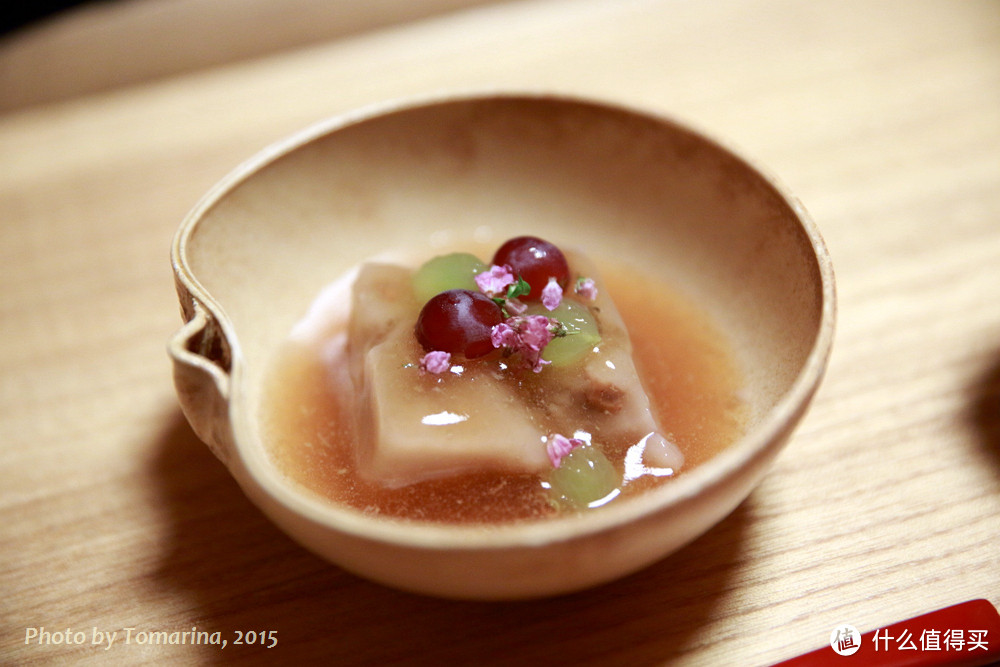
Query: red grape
x=535, y=260
x=458, y=321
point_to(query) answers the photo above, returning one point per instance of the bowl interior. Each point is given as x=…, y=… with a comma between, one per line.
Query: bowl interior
x=614, y=183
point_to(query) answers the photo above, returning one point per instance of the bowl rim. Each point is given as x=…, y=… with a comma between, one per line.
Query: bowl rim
x=755, y=443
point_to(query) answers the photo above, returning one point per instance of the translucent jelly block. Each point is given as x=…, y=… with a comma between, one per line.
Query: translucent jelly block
x=487, y=414
x=603, y=389
x=382, y=299
x=418, y=425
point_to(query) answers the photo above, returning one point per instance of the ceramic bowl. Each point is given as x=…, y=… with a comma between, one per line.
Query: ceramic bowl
x=254, y=252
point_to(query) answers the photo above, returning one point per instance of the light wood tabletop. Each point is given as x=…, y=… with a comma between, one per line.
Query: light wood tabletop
x=882, y=117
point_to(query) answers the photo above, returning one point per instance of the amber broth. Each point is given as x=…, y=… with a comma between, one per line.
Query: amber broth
x=685, y=363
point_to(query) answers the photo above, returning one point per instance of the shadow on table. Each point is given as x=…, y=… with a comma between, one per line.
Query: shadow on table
x=984, y=412
x=241, y=573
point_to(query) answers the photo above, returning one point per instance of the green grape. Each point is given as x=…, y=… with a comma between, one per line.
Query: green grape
x=581, y=334
x=444, y=272
x=584, y=477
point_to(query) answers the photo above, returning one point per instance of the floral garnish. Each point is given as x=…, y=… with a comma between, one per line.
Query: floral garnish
x=559, y=446
x=513, y=307
x=520, y=287
x=496, y=280
x=436, y=362
x=500, y=284
x=503, y=335
x=527, y=335
x=586, y=288
x=552, y=294
x=536, y=331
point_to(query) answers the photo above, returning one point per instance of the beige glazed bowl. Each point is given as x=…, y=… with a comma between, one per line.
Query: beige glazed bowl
x=257, y=249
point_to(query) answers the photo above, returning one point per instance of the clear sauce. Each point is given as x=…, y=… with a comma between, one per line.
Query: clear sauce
x=684, y=361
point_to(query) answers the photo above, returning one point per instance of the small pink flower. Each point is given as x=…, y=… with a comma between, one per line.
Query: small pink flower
x=516, y=306
x=436, y=362
x=552, y=295
x=559, y=446
x=526, y=335
x=535, y=331
x=536, y=362
x=503, y=335
x=586, y=288
x=496, y=280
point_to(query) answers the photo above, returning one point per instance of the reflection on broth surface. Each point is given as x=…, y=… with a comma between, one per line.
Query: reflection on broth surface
x=685, y=364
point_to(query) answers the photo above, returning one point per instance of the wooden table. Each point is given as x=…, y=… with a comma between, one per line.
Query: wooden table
x=884, y=117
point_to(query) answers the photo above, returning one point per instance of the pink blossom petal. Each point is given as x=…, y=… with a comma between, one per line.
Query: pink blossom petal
x=537, y=364
x=436, y=362
x=586, y=288
x=503, y=335
x=516, y=306
x=496, y=280
x=534, y=331
x=559, y=446
x=552, y=294
x=526, y=335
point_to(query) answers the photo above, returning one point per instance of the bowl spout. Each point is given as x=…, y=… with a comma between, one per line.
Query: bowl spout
x=201, y=366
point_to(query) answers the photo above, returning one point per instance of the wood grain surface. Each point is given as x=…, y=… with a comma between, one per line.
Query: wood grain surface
x=883, y=117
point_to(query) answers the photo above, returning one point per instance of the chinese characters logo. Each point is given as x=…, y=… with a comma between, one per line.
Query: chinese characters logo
x=845, y=639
